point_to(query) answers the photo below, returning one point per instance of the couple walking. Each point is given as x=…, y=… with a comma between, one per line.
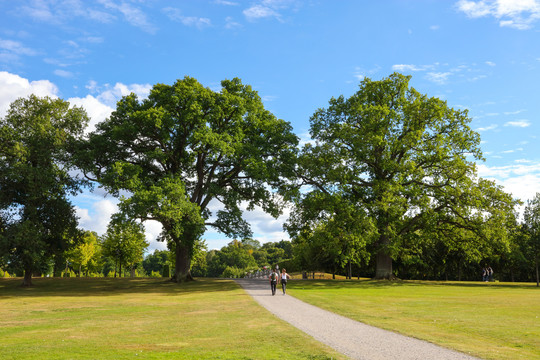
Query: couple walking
x=275, y=277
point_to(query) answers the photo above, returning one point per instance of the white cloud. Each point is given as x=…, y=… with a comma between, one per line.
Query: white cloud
x=97, y=111
x=176, y=15
x=434, y=27
x=231, y=24
x=259, y=11
x=228, y=3
x=152, y=231
x=518, y=123
x=15, y=47
x=56, y=12
x=13, y=87
x=513, y=112
x=409, y=67
x=518, y=14
x=438, y=77
x=63, y=73
x=98, y=216
x=490, y=63
x=522, y=180
x=487, y=128
x=109, y=95
x=133, y=15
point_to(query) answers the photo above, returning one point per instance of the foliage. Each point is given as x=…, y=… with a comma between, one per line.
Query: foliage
x=37, y=220
x=401, y=160
x=185, y=146
x=531, y=222
x=154, y=262
x=166, y=271
x=234, y=255
x=85, y=256
x=124, y=242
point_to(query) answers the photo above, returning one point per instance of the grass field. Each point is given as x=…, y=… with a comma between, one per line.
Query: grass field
x=77, y=318
x=489, y=320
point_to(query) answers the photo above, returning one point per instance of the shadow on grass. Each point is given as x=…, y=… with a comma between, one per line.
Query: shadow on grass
x=344, y=284
x=11, y=287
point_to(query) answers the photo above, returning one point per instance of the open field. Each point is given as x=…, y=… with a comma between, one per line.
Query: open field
x=489, y=320
x=108, y=318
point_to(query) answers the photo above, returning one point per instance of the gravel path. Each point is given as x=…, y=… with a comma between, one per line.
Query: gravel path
x=349, y=337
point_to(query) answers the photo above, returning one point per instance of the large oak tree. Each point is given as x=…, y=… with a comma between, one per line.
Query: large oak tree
x=407, y=162
x=186, y=146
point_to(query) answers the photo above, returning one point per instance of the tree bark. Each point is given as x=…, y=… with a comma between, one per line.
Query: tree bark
x=27, y=280
x=383, y=260
x=182, y=267
x=384, y=266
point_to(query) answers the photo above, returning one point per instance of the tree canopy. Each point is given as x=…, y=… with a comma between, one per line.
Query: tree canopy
x=36, y=138
x=401, y=159
x=186, y=146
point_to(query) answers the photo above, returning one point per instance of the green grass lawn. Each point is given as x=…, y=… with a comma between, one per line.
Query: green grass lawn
x=143, y=319
x=489, y=320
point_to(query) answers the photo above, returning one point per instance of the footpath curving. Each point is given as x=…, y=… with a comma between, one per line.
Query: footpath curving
x=352, y=338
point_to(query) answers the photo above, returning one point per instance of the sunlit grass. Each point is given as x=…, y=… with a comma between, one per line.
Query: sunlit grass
x=143, y=319
x=492, y=321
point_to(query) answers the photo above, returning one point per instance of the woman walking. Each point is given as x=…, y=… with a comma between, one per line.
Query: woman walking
x=284, y=277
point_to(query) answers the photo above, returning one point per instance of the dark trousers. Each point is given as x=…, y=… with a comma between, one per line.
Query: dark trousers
x=273, y=285
x=284, y=285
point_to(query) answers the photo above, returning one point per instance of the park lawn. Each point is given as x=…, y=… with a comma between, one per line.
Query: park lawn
x=488, y=320
x=104, y=318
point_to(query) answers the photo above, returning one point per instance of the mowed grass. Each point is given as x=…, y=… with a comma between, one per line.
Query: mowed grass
x=79, y=318
x=488, y=320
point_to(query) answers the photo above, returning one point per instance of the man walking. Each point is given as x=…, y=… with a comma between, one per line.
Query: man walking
x=273, y=281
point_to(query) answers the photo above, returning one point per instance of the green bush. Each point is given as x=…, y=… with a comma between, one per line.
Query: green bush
x=233, y=272
x=166, y=273
x=155, y=274
x=69, y=273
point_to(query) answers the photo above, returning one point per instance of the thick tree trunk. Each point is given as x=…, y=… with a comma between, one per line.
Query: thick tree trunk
x=384, y=266
x=27, y=280
x=182, y=267
x=383, y=260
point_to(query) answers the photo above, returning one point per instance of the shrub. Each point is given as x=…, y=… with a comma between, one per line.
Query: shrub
x=166, y=271
x=155, y=274
x=233, y=272
x=69, y=273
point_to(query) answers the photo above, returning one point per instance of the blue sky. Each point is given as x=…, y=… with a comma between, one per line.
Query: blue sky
x=483, y=56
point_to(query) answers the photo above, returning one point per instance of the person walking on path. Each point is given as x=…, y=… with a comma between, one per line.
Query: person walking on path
x=283, y=279
x=273, y=281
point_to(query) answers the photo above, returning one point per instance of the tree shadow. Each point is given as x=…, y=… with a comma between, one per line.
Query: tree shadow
x=370, y=283
x=81, y=287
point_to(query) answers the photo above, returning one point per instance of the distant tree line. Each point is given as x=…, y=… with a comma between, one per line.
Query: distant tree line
x=387, y=187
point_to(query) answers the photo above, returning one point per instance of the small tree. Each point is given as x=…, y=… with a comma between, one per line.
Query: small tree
x=83, y=254
x=124, y=242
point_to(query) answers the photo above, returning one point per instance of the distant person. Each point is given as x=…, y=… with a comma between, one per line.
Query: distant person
x=484, y=274
x=284, y=277
x=490, y=273
x=273, y=281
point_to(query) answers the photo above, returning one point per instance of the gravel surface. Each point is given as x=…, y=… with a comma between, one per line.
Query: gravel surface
x=349, y=337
